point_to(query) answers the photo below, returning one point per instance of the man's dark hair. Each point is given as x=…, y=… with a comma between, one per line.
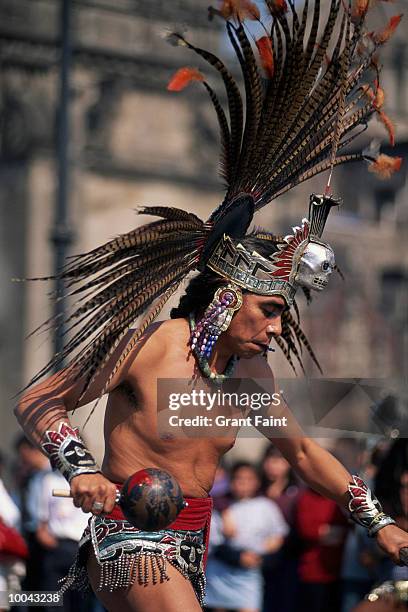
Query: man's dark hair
x=199, y=293
x=201, y=288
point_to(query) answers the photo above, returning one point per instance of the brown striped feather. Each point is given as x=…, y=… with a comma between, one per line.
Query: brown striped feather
x=235, y=105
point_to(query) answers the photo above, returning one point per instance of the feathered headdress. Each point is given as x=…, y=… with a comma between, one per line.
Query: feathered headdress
x=310, y=88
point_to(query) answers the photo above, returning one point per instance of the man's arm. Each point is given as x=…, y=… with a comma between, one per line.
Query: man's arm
x=323, y=472
x=317, y=467
x=43, y=414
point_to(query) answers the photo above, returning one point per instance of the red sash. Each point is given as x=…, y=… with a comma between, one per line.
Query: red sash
x=197, y=515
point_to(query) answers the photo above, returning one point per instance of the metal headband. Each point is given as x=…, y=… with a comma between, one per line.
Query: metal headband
x=248, y=270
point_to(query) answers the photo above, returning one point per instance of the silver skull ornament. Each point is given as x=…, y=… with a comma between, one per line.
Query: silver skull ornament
x=315, y=266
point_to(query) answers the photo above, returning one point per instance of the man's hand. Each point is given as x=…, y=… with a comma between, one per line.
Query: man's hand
x=249, y=559
x=45, y=537
x=391, y=539
x=93, y=493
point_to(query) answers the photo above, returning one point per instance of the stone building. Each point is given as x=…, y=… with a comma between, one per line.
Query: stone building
x=132, y=142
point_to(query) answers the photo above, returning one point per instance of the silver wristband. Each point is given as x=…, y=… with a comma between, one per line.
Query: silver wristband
x=68, y=453
x=365, y=509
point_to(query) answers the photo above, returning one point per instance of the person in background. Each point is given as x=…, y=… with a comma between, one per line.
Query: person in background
x=9, y=512
x=362, y=557
x=52, y=527
x=13, y=550
x=402, y=517
x=389, y=482
x=392, y=483
x=251, y=527
x=31, y=466
x=59, y=529
x=220, y=492
x=322, y=527
x=279, y=484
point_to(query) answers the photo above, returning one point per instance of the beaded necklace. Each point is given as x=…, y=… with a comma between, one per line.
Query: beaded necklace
x=204, y=366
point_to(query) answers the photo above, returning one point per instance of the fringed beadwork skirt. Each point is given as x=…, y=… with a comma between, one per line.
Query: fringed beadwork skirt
x=127, y=555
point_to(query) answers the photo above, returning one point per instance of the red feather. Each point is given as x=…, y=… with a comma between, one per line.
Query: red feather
x=385, y=166
x=278, y=6
x=377, y=96
x=183, y=77
x=380, y=97
x=382, y=36
x=360, y=7
x=389, y=126
x=243, y=9
x=264, y=45
x=368, y=92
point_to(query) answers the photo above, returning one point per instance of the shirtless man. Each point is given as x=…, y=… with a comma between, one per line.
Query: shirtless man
x=300, y=109
x=132, y=441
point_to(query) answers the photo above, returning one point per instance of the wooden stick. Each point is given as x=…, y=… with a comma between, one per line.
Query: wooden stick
x=61, y=493
x=67, y=493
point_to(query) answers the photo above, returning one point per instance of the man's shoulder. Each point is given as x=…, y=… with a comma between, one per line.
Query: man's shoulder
x=164, y=333
x=158, y=339
x=171, y=326
x=162, y=343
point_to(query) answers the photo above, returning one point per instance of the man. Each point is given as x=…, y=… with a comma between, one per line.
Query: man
x=232, y=310
x=132, y=442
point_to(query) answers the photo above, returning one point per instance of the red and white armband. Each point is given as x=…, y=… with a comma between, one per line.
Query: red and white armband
x=68, y=453
x=365, y=509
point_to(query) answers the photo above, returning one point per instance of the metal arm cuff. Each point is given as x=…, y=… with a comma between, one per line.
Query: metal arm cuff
x=68, y=453
x=365, y=509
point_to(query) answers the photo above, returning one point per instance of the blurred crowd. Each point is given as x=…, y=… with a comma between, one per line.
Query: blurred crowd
x=275, y=545
x=39, y=533
x=278, y=546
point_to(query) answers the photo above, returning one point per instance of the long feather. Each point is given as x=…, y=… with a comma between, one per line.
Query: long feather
x=235, y=105
x=253, y=91
x=226, y=163
x=137, y=335
x=171, y=247
x=344, y=67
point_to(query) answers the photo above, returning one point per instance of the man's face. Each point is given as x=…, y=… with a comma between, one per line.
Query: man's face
x=255, y=324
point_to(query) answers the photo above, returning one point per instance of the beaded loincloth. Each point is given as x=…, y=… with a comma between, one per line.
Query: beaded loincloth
x=127, y=555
